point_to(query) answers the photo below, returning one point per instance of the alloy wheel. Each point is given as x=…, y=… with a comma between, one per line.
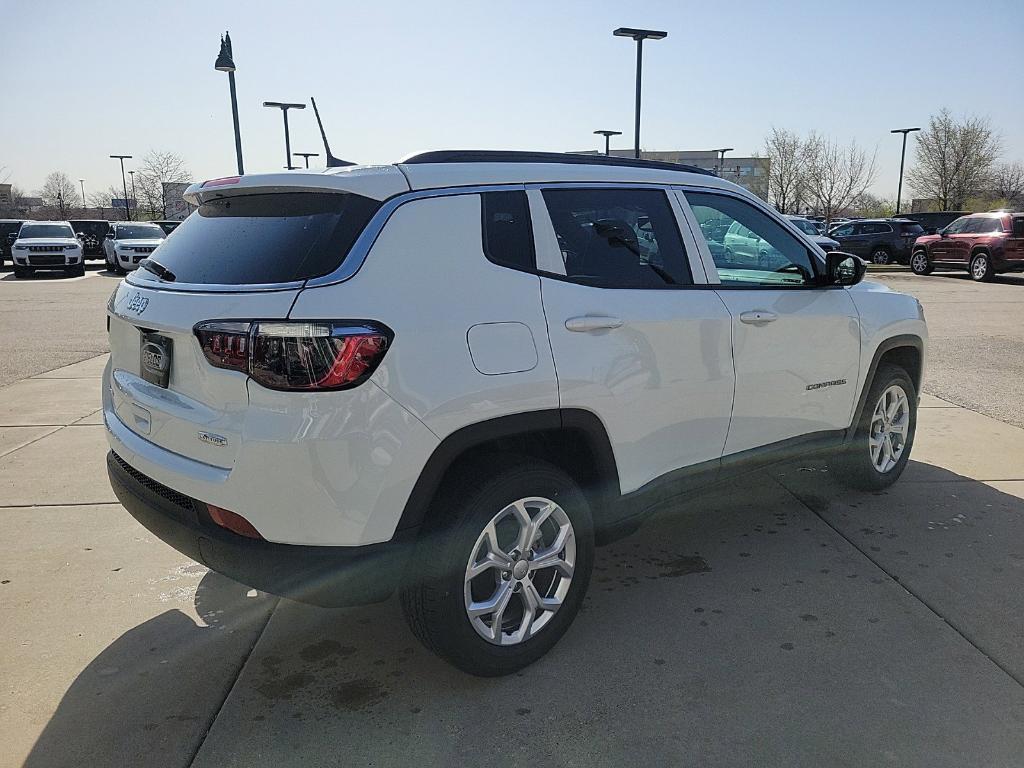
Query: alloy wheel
x=880, y=257
x=890, y=424
x=519, y=571
x=979, y=267
x=919, y=263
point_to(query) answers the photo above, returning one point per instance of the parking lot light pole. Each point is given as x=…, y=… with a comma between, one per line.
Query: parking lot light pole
x=134, y=198
x=124, y=183
x=284, y=106
x=903, y=156
x=639, y=35
x=82, y=182
x=226, y=63
x=607, y=136
x=306, y=156
x=721, y=157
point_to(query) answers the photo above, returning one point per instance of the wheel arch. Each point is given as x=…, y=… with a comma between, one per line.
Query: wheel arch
x=575, y=440
x=906, y=351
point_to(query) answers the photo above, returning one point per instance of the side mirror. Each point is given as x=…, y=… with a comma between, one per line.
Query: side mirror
x=844, y=268
x=80, y=235
x=12, y=237
x=110, y=235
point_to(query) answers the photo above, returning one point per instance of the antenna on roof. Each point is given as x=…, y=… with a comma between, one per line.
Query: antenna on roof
x=332, y=161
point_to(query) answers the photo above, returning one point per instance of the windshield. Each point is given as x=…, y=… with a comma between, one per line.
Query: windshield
x=805, y=226
x=274, y=238
x=139, y=232
x=46, y=230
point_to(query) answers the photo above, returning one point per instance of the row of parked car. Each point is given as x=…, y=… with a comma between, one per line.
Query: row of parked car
x=66, y=245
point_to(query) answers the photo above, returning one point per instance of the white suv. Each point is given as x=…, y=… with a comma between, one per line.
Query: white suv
x=128, y=243
x=47, y=245
x=453, y=375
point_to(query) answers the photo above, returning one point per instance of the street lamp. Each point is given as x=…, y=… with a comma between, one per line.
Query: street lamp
x=639, y=35
x=607, y=136
x=721, y=157
x=82, y=182
x=903, y=155
x=134, y=198
x=124, y=183
x=306, y=156
x=226, y=63
x=284, y=106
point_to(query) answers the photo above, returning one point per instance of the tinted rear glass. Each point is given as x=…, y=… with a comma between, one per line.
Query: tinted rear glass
x=1018, y=226
x=911, y=229
x=6, y=227
x=94, y=228
x=272, y=238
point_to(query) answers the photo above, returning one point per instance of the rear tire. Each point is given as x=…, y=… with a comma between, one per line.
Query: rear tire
x=479, y=511
x=981, y=268
x=880, y=448
x=920, y=263
x=881, y=256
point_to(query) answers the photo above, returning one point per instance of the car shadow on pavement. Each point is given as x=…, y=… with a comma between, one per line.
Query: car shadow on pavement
x=150, y=696
x=783, y=627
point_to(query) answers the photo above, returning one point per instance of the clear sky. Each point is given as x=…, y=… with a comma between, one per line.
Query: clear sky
x=83, y=80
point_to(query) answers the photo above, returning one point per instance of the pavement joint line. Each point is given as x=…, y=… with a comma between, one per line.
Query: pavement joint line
x=973, y=410
x=53, y=431
x=103, y=503
x=43, y=373
x=961, y=632
x=231, y=688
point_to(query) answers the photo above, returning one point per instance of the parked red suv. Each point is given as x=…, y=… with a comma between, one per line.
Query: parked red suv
x=984, y=244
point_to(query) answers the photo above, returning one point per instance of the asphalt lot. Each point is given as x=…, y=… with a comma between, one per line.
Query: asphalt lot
x=779, y=621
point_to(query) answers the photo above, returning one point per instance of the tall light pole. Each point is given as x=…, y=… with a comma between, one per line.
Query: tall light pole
x=639, y=35
x=284, y=106
x=903, y=156
x=306, y=156
x=226, y=63
x=721, y=157
x=82, y=182
x=134, y=198
x=124, y=183
x=607, y=136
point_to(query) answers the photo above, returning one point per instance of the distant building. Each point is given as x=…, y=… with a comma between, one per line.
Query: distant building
x=751, y=173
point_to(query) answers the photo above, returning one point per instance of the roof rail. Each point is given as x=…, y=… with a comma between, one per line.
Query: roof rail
x=569, y=158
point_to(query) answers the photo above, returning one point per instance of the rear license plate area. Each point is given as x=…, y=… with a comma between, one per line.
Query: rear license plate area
x=155, y=354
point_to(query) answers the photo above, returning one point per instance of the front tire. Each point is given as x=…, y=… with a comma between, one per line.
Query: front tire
x=501, y=567
x=981, y=268
x=880, y=256
x=879, y=450
x=920, y=264
x=22, y=272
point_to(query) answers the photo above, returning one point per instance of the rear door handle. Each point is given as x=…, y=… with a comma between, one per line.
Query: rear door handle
x=758, y=317
x=586, y=323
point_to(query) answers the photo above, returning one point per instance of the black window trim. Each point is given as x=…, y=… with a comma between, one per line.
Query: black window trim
x=665, y=189
x=817, y=262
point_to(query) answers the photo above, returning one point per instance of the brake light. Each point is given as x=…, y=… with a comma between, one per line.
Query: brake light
x=232, y=521
x=221, y=182
x=290, y=355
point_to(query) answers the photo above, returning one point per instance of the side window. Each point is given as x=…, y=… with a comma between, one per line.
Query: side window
x=992, y=225
x=779, y=259
x=957, y=226
x=973, y=226
x=618, y=238
x=1018, y=226
x=844, y=231
x=507, y=231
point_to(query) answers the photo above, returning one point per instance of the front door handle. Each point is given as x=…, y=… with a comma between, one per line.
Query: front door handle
x=586, y=323
x=758, y=317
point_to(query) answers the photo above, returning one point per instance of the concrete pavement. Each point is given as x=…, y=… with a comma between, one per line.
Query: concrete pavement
x=780, y=621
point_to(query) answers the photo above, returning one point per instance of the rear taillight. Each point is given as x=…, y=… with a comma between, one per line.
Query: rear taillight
x=310, y=355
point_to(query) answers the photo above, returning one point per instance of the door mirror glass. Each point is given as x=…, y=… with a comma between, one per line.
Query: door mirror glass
x=844, y=268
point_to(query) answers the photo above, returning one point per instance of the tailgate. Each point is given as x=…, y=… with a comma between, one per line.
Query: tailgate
x=200, y=412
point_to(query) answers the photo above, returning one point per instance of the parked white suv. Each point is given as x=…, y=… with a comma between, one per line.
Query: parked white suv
x=453, y=375
x=128, y=243
x=47, y=245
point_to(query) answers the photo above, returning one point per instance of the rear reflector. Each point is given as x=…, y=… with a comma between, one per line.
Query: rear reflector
x=303, y=355
x=233, y=522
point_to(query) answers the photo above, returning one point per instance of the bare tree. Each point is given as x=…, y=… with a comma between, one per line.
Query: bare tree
x=158, y=168
x=953, y=159
x=59, y=192
x=787, y=170
x=870, y=206
x=837, y=175
x=1008, y=183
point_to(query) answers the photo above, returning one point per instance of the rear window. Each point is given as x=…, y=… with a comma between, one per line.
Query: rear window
x=1018, y=226
x=911, y=229
x=94, y=228
x=273, y=238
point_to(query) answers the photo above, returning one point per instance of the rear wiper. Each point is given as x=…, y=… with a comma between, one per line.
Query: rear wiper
x=157, y=269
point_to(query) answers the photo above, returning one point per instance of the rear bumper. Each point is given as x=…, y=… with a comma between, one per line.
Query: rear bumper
x=326, y=576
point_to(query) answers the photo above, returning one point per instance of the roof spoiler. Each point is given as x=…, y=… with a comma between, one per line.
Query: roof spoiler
x=332, y=161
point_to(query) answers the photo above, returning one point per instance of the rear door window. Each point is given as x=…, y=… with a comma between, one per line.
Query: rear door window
x=272, y=238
